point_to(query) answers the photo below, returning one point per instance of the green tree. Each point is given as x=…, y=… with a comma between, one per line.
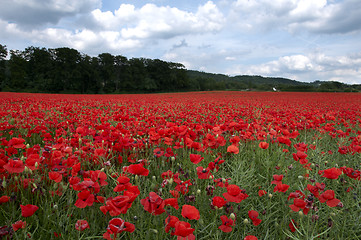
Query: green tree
x=17, y=68
x=39, y=68
x=66, y=74
x=107, y=72
x=3, y=55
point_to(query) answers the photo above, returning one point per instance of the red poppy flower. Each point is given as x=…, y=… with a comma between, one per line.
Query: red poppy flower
x=55, y=176
x=120, y=204
x=280, y=187
x=299, y=204
x=218, y=202
x=203, y=173
x=263, y=145
x=14, y=166
x=196, y=158
x=250, y=237
x=233, y=149
x=118, y=225
x=170, y=222
x=226, y=224
x=4, y=199
x=182, y=229
x=171, y=202
x=137, y=169
x=31, y=160
x=123, y=183
x=292, y=225
x=277, y=179
x=253, y=215
x=17, y=142
x=28, y=210
x=19, y=224
x=262, y=192
x=234, y=194
x=328, y=196
x=190, y=212
x=174, y=193
x=332, y=173
x=153, y=204
x=85, y=198
x=81, y=225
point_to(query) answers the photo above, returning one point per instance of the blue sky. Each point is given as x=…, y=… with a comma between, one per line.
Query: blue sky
x=305, y=40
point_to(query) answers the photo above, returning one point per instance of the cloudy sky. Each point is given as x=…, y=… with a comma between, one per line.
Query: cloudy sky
x=305, y=40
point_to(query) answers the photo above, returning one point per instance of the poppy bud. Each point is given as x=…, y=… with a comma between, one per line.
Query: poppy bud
x=198, y=191
x=270, y=195
x=300, y=213
x=136, y=178
x=55, y=207
x=245, y=221
x=28, y=145
x=4, y=183
x=172, y=158
x=154, y=178
x=232, y=216
x=300, y=177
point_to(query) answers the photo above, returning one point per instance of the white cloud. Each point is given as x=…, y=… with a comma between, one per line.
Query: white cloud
x=319, y=16
x=40, y=12
x=151, y=21
x=309, y=67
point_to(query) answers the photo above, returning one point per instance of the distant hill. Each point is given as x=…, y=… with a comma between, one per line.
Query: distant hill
x=211, y=81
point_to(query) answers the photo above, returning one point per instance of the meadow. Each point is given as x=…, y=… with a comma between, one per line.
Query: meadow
x=200, y=165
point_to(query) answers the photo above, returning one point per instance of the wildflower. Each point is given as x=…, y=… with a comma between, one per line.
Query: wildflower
x=250, y=237
x=218, y=202
x=234, y=194
x=55, y=176
x=153, y=204
x=226, y=224
x=195, y=158
x=190, y=212
x=81, y=225
x=253, y=215
x=233, y=149
x=263, y=145
x=332, y=173
x=14, y=166
x=28, y=210
x=19, y=224
x=117, y=225
x=4, y=199
x=328, y=196
x=137, y=169
x=280, y=187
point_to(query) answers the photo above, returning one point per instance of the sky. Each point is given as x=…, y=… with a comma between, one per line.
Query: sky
x=304, y=40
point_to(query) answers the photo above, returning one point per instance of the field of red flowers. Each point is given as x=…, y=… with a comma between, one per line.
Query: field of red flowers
x=210, y=165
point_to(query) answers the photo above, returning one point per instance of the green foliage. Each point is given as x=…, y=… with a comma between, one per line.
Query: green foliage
x=66, y=70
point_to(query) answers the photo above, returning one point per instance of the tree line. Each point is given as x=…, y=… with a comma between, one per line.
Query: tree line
x=66, y=70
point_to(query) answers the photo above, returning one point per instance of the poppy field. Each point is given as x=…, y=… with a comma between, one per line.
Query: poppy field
x=201, y=165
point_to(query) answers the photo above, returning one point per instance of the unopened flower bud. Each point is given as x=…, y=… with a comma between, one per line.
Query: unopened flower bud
x=232, y=216
x=245, y=221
